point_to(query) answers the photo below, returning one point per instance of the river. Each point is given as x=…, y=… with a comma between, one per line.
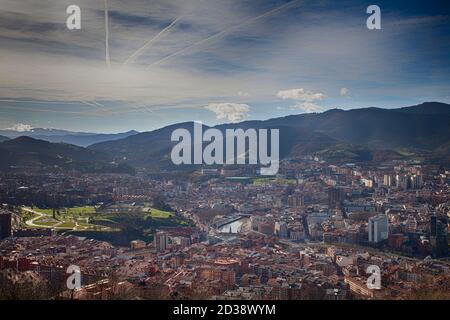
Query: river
x=235, y=226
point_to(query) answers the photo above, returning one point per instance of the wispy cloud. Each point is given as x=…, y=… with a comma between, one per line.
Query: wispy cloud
x=224, y=32
x=344, y=91
x=239, y=51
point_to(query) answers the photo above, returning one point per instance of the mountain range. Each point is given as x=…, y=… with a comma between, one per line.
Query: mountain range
x=82, y=139
x=358, y=135
x=3, y=138
x=369, y=134
x=25, y=154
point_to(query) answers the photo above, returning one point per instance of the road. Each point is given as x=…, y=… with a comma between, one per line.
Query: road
x=39, y=215
x=32, y=220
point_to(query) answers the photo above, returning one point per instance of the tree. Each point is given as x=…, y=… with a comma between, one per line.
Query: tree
x=159, y=203
x=431, y=288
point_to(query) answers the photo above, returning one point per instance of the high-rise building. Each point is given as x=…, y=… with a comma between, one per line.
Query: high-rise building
x=281, y=229
x=406, y=182
x=411, y=224
x=403, y=181
x=388, y=180
x=185, y=242
x=335, y=197
x=161, y=241
x=368, y=183
x=295, y=200
x=416, y=181
x=439, y=236
x=5, y=224
x=378, y=228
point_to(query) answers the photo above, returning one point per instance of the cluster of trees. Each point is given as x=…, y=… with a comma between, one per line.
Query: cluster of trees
x=431, y=288
x=159, y=202
x=29, y=286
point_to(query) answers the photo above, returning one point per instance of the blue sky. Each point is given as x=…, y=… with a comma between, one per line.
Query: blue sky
x=215, y=61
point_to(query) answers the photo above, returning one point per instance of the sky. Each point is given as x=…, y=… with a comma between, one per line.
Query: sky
x=214, y=61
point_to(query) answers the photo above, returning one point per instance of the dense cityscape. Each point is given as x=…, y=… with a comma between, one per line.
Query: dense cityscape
x=308, y=233
x=224, y=158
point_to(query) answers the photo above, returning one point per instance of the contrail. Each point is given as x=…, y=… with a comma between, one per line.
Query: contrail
x=217, y=35
x=37, y=101
x=88, y=103
x=42, y=110
x=92, y=103
x=98, y=104
x=108, y=58
x=141, y=50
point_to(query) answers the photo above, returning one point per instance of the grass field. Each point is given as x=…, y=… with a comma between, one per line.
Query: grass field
x=75, y=211
x=46, y=221
x=67, y=225
x=118, y=228
x=155, y=213
x=79, y=218
x=76, y=218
